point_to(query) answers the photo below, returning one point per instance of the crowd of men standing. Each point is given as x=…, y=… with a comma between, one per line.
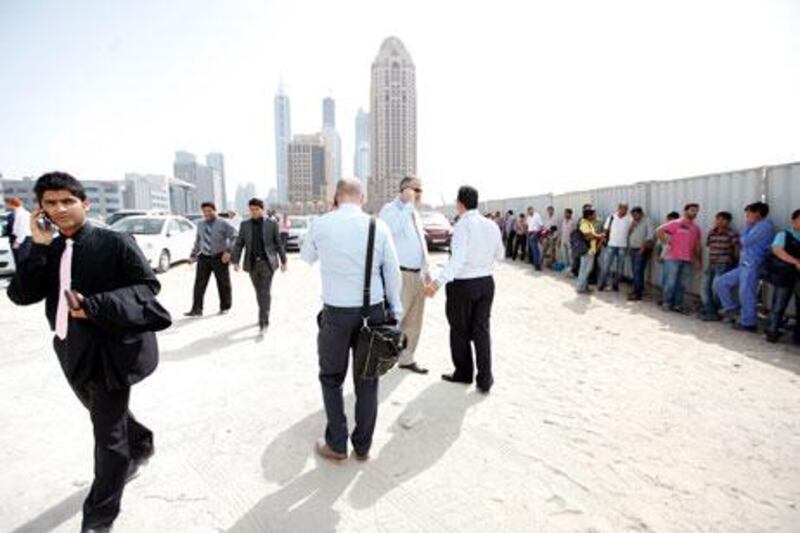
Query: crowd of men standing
x=737, y=265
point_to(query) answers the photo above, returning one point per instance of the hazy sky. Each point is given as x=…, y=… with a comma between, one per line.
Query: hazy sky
x=515, y=97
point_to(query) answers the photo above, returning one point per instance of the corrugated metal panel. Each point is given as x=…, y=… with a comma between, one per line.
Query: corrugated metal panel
x=783, y=192
x=572, y=200
x=730, y=191
x=607, y=199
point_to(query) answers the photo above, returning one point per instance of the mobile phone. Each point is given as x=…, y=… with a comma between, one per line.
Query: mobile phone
x=72, y=300
x=45, y=223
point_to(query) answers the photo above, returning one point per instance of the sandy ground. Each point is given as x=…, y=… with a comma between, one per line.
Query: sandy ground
x=605, y=416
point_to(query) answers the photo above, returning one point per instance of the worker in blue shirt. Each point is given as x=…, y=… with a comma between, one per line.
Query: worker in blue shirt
x=756, y=239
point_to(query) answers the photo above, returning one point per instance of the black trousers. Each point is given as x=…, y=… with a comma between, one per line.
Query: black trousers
x=520, y=246
x=206, y=264
x=510, y=242
x=338, y=333
x=118, y=439
x=469, y=308
x=261, y=276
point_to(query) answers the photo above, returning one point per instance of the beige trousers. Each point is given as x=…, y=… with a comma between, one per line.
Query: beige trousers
x=413, y=301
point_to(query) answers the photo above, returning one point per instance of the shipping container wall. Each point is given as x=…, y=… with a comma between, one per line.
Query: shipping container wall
x=783, y=192
x=729, y=191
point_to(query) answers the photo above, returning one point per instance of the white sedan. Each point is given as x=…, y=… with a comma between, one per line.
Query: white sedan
x=164, y=240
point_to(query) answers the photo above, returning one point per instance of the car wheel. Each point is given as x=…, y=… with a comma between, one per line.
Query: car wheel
x=163, y=261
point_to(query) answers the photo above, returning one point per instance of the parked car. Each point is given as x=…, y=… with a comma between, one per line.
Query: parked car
x=164, y=240
x=119, y=215
x=298, y=228
x=6, y=257
x=438, y=230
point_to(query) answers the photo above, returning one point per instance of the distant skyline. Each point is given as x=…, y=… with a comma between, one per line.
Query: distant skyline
x=515, y=98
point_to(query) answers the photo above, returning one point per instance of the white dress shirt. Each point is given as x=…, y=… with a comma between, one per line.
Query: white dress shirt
x=339, y=241
x=535, y=223
x=406, y=227
x=22, y=224
x=476, y=245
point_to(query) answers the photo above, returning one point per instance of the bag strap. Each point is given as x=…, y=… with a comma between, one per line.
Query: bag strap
x=368, y=271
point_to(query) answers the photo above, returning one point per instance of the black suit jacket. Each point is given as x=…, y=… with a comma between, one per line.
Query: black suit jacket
x=108, y=269
x=273, y=245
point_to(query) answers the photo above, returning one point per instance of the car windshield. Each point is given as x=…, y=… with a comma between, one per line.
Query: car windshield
x=140, y=226
x=434, y=218
x=298, y=223
x=116, y=217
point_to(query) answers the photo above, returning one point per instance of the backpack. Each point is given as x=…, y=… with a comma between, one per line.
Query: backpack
x=577, y=241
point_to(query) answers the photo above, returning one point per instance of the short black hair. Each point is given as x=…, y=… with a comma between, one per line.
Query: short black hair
x=257, y=202
x=510, y=212
x=522, y=215
x=673, y=215
x=795, y=214
x=758, y=207
x=637, y=209
x=208, y=204
x=468, y=196
x=568, y=210
x=691, y=205
x=59, y=181
x=724, y=214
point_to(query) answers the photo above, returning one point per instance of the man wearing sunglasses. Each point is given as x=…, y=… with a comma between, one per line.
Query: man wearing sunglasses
x=404, y=222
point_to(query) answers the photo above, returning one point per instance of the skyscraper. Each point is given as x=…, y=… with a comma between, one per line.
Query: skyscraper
x=361, y=156
x=330, y=133
x=328, y=113
x=309, y=166
x=283, y=135
x=393, y=110
x=216, y=161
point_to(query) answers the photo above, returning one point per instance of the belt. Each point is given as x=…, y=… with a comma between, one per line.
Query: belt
x=404, y=269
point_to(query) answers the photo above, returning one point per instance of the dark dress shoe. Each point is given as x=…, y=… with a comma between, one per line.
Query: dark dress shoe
x=773, y=336
x=361, y=457
x=750, y=329
x=101, y=529
x=414, y=367
x=193, y=313
x=329, y=453
x=453, y=379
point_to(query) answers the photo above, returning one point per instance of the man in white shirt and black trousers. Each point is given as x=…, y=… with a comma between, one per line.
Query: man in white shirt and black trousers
x=476, y=245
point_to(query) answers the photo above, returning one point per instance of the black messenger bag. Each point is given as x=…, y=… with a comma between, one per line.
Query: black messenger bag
x=379, y=345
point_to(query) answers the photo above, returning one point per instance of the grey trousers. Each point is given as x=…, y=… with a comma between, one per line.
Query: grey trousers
x=261, y=276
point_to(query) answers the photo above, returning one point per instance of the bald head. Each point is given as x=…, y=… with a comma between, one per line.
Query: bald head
x=349, y=191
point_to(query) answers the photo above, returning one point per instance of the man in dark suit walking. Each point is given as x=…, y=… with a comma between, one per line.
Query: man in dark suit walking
x=262, y=238
x=99, y=297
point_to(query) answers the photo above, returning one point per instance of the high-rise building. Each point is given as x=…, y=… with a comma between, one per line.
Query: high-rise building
x=181, y=197
x=310, y=171
x=146, y=191
x=243, y=195
x=283, y=135
x=328, y=113
x=208, y=180
x=330, y=133
x=105, y=196
x=361, y=157
x=393, y=110
x=216, y=161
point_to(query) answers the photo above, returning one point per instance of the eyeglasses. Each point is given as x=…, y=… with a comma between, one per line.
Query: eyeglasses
x=415, y=189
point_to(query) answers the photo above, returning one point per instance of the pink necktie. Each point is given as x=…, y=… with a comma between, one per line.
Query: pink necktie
x=65, y=283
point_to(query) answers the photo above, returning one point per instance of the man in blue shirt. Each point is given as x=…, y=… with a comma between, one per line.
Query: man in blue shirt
x=403, y=220
x=784, y=272
x=755, y=242
x=339, y=241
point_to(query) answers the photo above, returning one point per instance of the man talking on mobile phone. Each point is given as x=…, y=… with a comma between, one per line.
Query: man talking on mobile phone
x=100, y=301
